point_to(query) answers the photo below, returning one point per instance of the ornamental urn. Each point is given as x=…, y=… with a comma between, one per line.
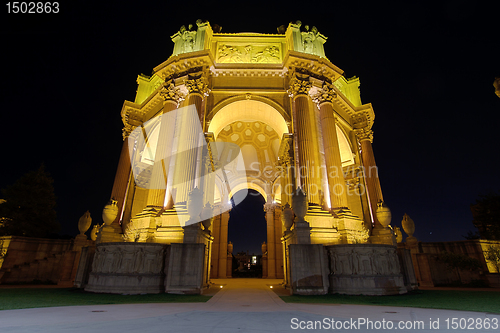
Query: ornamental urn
x=264, y=248
x=110, y=212
x=206, y=216
x=195, y=203
x=84, y=223
x=230, y=247
x=287, y=217
x=299, y=204
x=383, y=213
x=408, y=225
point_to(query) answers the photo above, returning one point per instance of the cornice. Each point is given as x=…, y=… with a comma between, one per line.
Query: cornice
x=313, y=64
x=184, y=63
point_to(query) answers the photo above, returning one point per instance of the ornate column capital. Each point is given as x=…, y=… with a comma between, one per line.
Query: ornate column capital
x=169, y=92
x=364, y=134
x=269, y=207
x=325, y=95
x=299, y=85
x=197, y=86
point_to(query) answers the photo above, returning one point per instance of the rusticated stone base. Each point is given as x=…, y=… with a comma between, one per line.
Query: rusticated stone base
x=128, y=268
x=365, y=269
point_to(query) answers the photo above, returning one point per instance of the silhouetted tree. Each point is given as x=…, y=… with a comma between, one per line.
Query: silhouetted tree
x=486, y=215
x=29, y=207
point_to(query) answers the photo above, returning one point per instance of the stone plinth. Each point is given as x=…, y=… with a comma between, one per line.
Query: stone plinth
x=127, y=268
x=185, y=268
x=308, y=269
x=365, y=269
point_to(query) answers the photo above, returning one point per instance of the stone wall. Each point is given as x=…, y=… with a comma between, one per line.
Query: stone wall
x=29, y=259
x=430, y=267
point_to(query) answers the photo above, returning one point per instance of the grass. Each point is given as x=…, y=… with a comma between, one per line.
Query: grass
x=23, y=298
x=481, y=301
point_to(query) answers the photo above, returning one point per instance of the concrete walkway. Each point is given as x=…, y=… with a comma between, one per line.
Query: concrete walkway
x=242, y=305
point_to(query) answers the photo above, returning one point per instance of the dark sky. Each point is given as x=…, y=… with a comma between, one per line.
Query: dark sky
x=427, y=68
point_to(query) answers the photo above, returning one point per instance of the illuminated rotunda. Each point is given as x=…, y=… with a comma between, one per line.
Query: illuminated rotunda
x=269, y=112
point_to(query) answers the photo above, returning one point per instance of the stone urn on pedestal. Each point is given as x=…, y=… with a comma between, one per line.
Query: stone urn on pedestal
x=84, y=223
x=230, y=248
x=287, y=218
x=384, y=215
x=382, y=234
x=194, y=209
x=299, y=207
x=263, y=247
x=109, y=232
x=110, y=212
x=409, y=228
x=207, y=216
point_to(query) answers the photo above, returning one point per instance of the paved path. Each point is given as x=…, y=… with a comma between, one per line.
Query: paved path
x=242, y=305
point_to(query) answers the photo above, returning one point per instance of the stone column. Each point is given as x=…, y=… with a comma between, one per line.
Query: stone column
x=223, y=245
x=158, y=183
x=121, y=179
x=365, y=138
x=215, y=246
x=191, y=133
x=271, y=243
x=336, y=182
x=299, y=90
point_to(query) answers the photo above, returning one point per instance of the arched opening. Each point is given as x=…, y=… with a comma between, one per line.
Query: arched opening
x=247, y=230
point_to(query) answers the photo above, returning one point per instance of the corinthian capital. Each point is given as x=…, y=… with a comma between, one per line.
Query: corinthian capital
x=198, y=85
x=325, y=94
x=364, y=134
x=170, y=92
x=299, y=85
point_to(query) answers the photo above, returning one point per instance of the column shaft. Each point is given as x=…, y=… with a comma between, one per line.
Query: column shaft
x=271, y=251
x=223, y=245
x=121, y=179
x=336, y=181
x=158, y=182
x=304, y=130
x=187, y=151
x=371, y=176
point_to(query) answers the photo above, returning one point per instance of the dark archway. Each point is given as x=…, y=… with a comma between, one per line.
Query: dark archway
x=247, y=230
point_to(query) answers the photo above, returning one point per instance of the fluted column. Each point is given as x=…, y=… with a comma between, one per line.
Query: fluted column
x=158, y=182
x=365, y=138
x=121, y=179
x=223, y=244
x=336, y=181
x=299, y=90
x=271, y=242
x=191, y=134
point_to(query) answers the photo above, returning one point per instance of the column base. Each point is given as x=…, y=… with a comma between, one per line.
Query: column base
x=383, y=236
x=110, y=234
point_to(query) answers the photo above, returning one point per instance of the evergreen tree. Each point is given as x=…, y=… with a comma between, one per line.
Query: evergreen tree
x=486, y=214
x=29, y=207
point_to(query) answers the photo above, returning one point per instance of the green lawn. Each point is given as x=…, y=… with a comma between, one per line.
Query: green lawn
x=482, y=301
x=22, y=298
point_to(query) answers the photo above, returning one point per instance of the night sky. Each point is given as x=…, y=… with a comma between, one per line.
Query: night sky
x=427, y=68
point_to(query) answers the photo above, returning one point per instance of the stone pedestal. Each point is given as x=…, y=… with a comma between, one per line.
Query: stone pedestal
x=110, y=233
x=185, y=274
x=382, y=235
x=127, y=268
x=308, y=269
